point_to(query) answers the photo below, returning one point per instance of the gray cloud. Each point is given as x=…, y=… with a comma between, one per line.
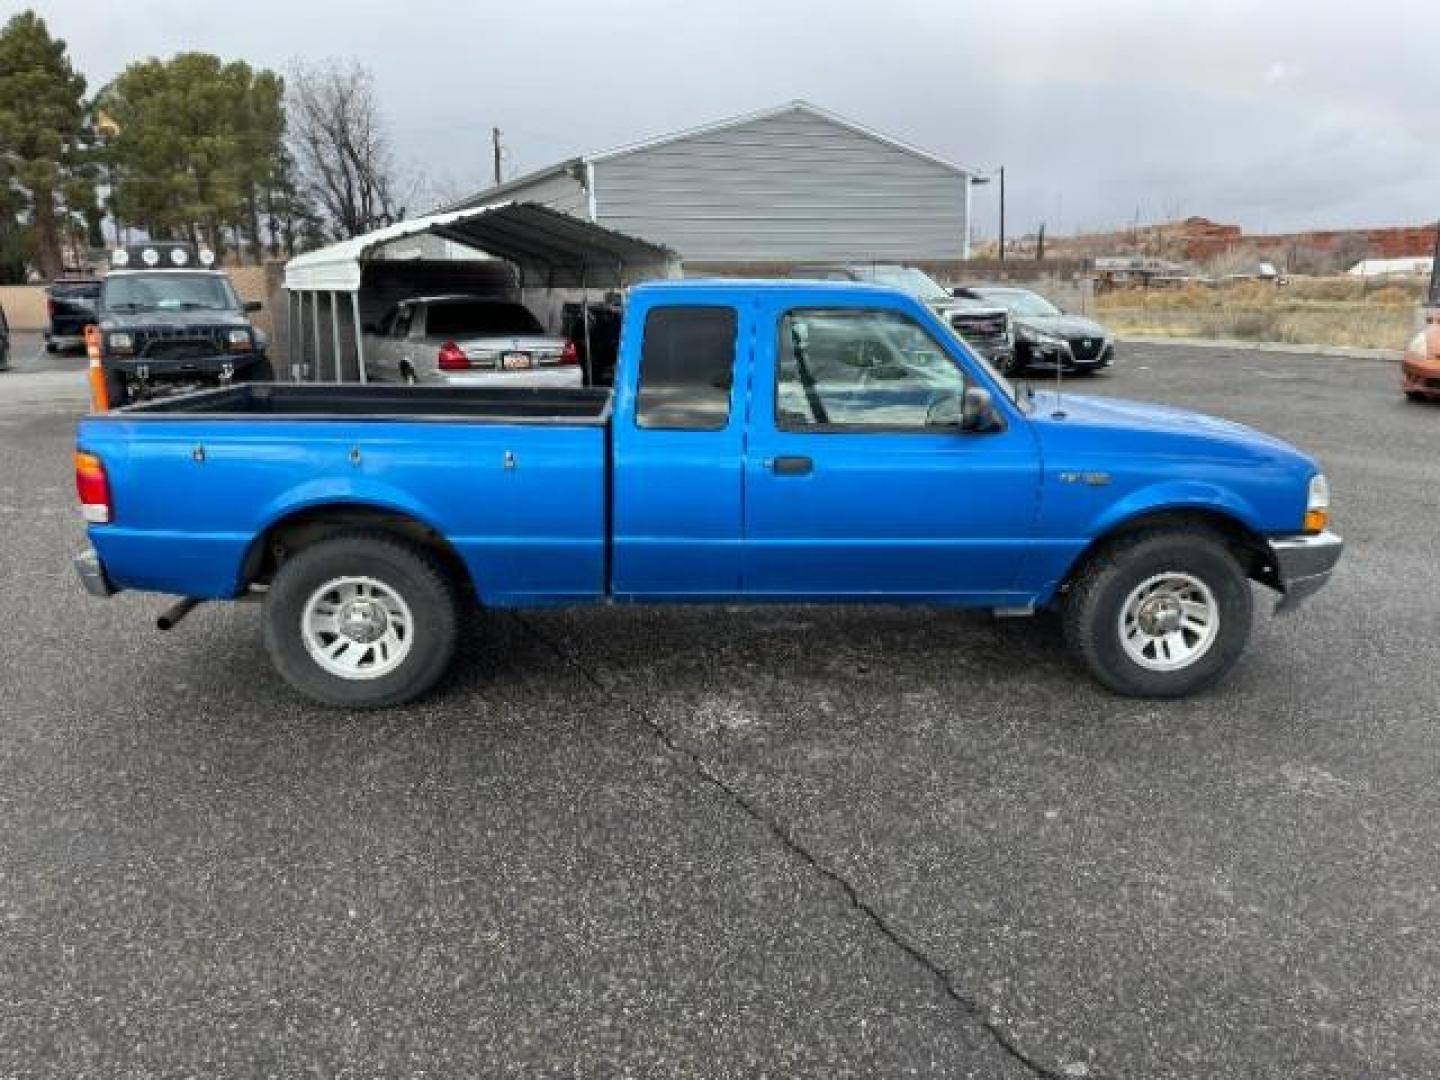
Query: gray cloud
x=1279, y=115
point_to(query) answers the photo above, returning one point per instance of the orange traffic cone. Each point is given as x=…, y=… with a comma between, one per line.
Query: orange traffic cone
x=99, y=396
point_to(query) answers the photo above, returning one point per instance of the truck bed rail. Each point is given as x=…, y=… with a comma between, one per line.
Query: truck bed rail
x=326, y=401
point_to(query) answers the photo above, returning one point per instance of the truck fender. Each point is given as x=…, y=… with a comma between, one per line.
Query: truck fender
x=318, y=496
x=1172, y=499
x=1175, y=496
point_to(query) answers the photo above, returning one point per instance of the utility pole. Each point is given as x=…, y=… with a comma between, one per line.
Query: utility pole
x=495, y=141
x=1002, y=213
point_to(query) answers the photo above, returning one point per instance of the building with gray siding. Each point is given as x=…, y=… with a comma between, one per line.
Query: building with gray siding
x=790, y=184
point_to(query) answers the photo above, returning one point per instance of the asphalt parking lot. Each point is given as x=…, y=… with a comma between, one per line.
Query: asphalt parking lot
x=797, y=842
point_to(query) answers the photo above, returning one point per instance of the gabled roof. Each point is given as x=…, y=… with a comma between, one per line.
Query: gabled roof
x=780, y=110
x=580, y=163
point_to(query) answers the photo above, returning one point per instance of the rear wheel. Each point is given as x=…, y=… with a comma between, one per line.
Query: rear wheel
x=361, y=621
x=1415, y=395
x=1159, y=614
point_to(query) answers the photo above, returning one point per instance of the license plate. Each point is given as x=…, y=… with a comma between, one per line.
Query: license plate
x=515, y=361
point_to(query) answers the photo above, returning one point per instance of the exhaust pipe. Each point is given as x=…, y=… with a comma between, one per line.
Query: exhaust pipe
x=171, y=616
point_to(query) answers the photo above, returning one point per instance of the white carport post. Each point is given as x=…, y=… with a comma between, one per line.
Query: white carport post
x=359, y=341
x=297, y=335
x=585, y=325
x=315, y=320
x=335, y=335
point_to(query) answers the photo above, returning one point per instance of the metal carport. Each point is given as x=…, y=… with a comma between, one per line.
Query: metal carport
x=550, y=249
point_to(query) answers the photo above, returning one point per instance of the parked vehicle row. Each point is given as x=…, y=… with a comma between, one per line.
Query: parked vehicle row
x=765, y=442
x=1046, y=337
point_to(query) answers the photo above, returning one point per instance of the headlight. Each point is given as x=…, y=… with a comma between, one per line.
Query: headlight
x=1317, y=504
x=1037, y=337
x=120, y=343
x=238, y=340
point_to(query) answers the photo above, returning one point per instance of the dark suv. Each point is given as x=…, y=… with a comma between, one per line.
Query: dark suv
x=168, y=325
x=984, y=326
x=70, y=304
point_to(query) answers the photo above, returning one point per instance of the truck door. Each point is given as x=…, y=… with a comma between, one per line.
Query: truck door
x=858, y=478
x=678, y=448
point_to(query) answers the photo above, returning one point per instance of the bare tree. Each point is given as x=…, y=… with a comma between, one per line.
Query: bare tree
x=338, y=143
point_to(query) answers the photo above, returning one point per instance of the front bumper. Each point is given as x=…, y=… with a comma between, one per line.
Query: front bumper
x=91, y=572
x=1303, y=565
x=1422, y=378
x=200, y=367
x=1046, y=356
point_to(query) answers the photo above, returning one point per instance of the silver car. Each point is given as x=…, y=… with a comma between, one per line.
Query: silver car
x=468, y=341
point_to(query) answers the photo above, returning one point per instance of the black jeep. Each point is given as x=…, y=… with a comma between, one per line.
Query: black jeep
x=168, y=323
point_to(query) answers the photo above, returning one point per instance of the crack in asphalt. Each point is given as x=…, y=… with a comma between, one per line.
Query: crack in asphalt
x=702, y=769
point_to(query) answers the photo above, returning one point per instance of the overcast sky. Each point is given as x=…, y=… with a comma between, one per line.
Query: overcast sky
x=1273, y=114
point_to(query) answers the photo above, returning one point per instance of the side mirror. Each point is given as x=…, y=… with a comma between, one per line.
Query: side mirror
x=252, y=305
x=978, y=411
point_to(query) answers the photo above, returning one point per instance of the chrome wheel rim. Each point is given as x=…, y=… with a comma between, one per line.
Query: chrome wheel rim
x=357, y=628
x=1169, y=621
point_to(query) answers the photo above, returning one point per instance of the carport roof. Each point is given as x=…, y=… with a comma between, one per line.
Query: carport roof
x=534, y=236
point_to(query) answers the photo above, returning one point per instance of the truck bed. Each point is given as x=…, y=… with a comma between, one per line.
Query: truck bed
x=515, y=480
x=326, y=401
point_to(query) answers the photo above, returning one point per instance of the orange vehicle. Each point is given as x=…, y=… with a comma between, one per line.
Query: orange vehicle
x=1420, y=367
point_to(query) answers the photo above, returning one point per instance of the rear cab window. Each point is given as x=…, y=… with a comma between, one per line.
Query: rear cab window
x=687, y=368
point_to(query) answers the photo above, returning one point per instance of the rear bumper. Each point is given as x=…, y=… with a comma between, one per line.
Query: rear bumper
x=566, y=375
x=1303, y=565
x=91, y=572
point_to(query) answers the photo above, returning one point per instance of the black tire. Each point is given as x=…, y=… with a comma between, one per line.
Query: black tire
x=409, y=572
x=51, y=347
x=1415, y=395
x=1092, y=603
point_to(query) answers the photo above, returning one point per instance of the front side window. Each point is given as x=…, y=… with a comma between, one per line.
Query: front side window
x=863, y=370
x=687, y=366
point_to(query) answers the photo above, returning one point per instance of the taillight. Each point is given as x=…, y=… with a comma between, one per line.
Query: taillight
x=50, y=306
x=569, y=354
x=452, y=358
x=93, y=488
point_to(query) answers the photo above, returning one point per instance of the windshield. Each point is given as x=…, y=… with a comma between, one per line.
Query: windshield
x=1020, y=302
x=916, y=282
x=168, y=292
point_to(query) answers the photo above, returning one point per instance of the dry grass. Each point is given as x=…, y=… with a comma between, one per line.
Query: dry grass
x=1308, y=311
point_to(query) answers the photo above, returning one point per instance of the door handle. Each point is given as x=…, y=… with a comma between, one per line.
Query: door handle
x=792, y=466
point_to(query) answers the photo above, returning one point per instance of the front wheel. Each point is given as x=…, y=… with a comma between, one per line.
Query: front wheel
x=361, y=621
x=1160, y=614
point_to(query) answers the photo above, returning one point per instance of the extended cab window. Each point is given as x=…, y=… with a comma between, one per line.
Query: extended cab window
x=687, y=365
x=863, y=369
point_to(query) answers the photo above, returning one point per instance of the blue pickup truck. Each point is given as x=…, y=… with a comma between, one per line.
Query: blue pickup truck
x=765, y=442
